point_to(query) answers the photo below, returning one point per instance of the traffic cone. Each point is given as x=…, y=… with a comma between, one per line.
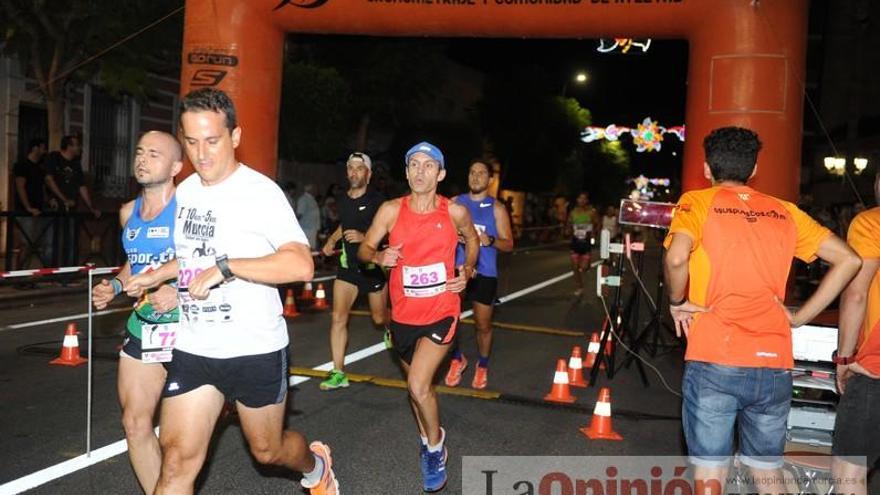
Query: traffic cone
x=593, y=351
x=290, y=305
x=560, y=392
x=307, y=296
x=70, y=349
x=576, y=369
x=320, y=298
x=600, y=426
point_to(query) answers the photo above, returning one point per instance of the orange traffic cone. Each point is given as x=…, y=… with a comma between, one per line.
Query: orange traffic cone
x=70, y=349
x=320, y=298
x=593, y=351
x=290, y=305
x=560, y=392
x=307, y=296
x=600, y=426
x=576, y=369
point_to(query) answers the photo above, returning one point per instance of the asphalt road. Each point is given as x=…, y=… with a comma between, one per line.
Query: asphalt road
x=368, y=426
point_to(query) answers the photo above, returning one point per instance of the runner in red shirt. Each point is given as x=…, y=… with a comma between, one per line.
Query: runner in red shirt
x=423, y=229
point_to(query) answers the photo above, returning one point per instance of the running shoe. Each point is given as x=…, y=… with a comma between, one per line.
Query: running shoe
x=456, y=368
x=434, y=468
x=328, y=484
x=481, y=378
x=336, y=379
x=387, y=339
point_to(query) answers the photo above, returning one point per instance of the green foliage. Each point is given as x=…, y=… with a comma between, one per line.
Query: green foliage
x=533, y=132
x=315, y=113
x=59, y=41
x=606, y=169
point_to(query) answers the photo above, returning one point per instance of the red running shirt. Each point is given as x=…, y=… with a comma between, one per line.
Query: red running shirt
x=418, y=282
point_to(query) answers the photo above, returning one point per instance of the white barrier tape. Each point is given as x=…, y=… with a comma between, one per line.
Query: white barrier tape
x=78, y=463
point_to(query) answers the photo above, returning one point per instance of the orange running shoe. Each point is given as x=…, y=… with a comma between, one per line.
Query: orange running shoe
x=328, y=484
x=456, y=368
x=481, y=378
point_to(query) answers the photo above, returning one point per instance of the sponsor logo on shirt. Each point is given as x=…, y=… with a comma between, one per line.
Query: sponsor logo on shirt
x=158, y=232
x=484, y=205
x=173, y=386
x=132, y=234
x=362, y=208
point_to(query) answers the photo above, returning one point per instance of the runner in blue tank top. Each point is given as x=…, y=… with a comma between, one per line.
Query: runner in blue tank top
x=492, y=223
x=147, y=237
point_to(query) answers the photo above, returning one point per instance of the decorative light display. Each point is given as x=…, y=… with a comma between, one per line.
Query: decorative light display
x=608, y=45
x=647, y=136
x=647, y=189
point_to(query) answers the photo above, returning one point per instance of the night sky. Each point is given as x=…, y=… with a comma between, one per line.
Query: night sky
x=622, y=89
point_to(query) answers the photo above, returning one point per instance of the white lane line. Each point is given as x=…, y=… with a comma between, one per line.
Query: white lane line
x=81, y=316
x=78, y=463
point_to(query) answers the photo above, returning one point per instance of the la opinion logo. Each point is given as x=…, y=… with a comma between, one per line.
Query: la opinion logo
x=303, y=4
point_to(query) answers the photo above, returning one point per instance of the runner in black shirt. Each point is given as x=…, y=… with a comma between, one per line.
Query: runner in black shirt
x=356, y=210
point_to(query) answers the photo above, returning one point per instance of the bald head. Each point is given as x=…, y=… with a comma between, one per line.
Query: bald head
x=168, y=142
x=158, y=158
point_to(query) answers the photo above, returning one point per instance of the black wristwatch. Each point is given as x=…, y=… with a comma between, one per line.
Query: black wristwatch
x=678, y=303
x=223, y=266
x=491, y=241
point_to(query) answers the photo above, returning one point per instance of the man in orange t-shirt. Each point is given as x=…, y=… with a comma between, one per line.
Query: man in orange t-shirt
x=858, y=358
x=731, y=247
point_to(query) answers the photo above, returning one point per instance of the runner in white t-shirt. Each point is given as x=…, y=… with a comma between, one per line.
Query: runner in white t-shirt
x=236, y=237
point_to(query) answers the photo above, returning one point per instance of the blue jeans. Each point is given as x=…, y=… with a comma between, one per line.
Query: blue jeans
x=717, y=397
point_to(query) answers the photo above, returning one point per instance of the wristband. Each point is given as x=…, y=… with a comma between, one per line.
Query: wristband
x=117, y=286
x=841, y=360
x=678, y=303
x=223, y=265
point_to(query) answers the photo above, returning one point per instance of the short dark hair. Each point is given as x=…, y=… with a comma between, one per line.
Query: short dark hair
x=67, y=140
x=484, y=162
x=35, y=143
x=732, y=153
x=211, y=100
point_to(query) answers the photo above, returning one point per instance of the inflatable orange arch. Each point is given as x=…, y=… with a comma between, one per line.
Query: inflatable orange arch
x=746, y=61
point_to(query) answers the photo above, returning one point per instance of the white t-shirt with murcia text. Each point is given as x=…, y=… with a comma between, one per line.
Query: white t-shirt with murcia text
x=245, y=216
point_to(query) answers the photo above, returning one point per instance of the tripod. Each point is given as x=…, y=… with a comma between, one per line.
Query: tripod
x=648, y=337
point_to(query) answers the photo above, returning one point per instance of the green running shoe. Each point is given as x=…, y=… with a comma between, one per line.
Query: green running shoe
x=336, y=379
x=387, y=339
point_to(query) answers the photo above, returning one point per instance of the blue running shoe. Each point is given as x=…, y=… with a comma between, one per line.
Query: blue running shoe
x=434, y=467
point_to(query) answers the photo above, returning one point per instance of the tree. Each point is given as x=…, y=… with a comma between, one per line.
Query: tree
x=387, y=78
x=61, y=42
x=532, y=131
x=315, y=112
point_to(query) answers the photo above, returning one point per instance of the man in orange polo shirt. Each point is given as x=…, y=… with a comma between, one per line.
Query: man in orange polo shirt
x=731, y=247
x=856, y=433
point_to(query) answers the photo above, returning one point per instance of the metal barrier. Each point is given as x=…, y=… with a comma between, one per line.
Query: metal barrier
x=54, y=239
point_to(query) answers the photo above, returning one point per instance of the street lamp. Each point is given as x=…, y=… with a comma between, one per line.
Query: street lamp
x=837, y=165
x=580, y=78
x=860, y=164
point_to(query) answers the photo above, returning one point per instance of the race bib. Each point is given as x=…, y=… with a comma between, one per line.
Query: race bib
x=424, y=281
x=481, y=229
x=190, y=268
x=215, y=309
x=582, y=230
x=157, y=342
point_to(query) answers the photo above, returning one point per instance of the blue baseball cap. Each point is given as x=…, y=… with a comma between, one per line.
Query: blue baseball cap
x=428, y=149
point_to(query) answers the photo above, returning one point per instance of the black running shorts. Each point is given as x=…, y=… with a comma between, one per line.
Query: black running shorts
x=255, y=381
